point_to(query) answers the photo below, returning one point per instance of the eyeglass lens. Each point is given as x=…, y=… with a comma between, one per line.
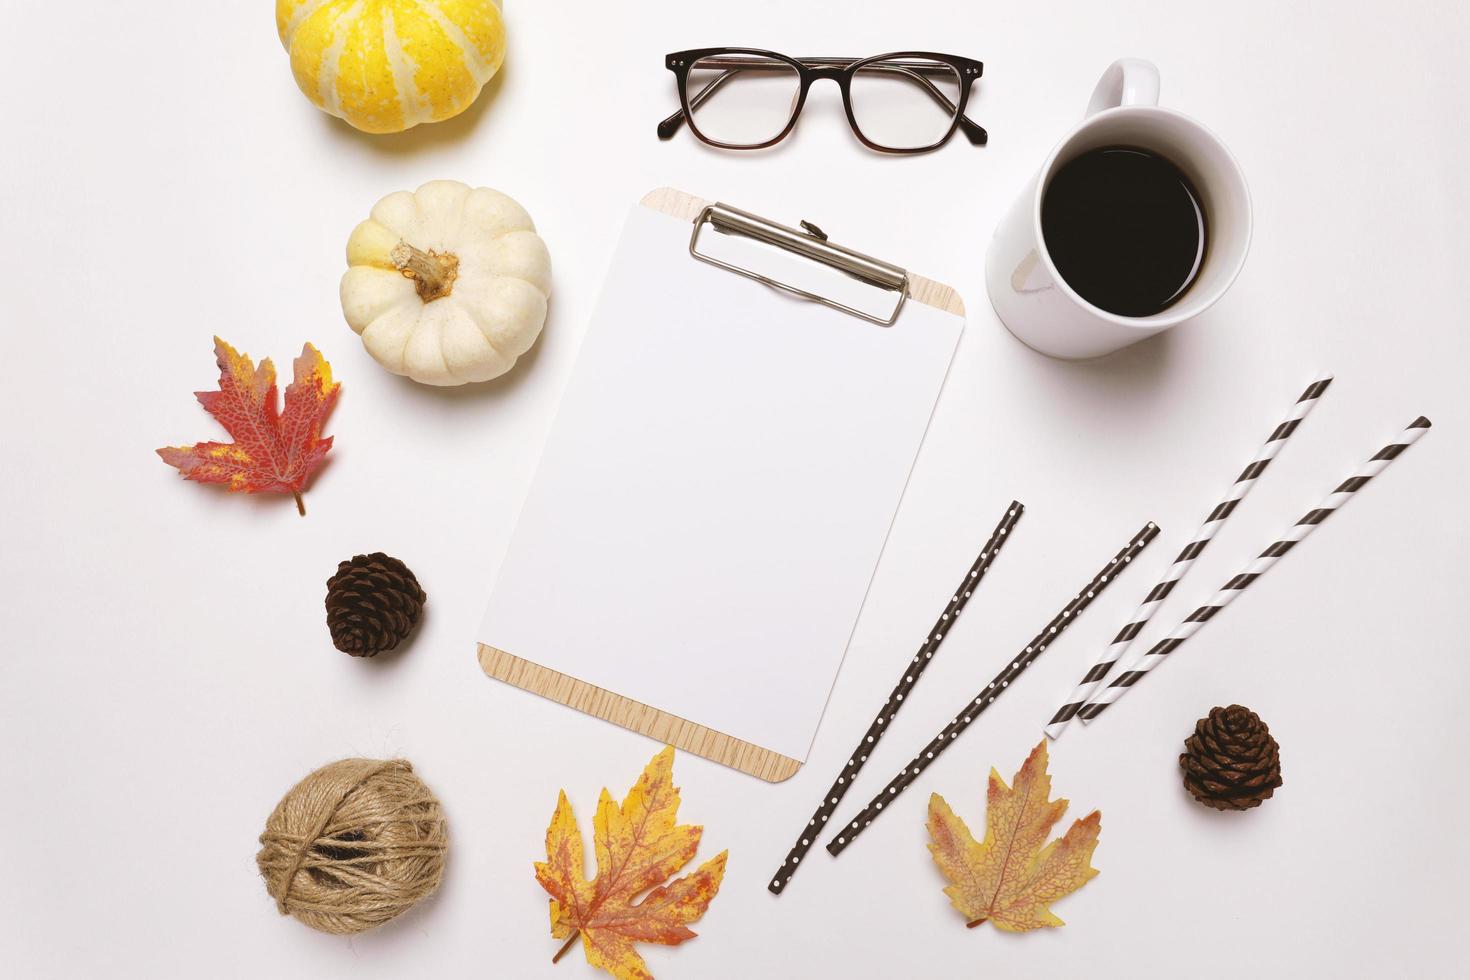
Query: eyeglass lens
x=905, y=103
x=742, y=100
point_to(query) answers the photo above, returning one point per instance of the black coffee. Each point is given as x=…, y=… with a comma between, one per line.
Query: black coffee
x=1125, y=229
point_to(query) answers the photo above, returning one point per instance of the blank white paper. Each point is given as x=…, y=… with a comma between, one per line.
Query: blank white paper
x=715, y=491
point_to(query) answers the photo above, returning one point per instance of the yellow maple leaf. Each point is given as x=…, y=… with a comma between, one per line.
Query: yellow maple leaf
x=638, y=845
x=1011, y=879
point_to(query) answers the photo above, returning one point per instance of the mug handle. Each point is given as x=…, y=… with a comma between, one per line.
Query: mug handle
x=1128, y=81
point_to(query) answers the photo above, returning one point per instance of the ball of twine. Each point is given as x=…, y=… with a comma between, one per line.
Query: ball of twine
x=352, y=845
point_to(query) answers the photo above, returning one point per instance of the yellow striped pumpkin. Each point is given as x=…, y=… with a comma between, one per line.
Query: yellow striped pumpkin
x=387, y=65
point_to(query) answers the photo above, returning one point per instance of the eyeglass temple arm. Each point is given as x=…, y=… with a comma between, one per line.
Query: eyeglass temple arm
x=670, y=125
x=973, y=131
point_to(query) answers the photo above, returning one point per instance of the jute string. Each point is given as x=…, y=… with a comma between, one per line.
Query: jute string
x=354, y=844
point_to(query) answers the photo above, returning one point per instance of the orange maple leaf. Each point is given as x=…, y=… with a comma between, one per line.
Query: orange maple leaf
x=1011, y=880
x=638, y=845
x=274, y=451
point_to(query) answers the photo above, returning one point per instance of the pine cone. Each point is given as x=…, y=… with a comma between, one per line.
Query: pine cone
x=373, y=602
x=1231, y=762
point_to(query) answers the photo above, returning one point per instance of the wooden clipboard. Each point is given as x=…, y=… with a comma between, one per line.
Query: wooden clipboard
x=646, y=720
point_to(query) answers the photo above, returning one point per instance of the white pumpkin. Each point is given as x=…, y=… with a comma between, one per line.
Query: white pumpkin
x=448, y=284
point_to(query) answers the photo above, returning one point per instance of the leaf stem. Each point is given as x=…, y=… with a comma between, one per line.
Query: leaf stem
x=566, y=946
x=977, y=922
x=300, y=504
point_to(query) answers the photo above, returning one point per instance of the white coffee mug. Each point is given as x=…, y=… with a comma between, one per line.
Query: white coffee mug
x=1028, y=293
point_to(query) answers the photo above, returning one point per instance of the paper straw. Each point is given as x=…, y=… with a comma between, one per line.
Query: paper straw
x=912, y=671
x=973, y=709
x=1098, y=673
x=1140, y=664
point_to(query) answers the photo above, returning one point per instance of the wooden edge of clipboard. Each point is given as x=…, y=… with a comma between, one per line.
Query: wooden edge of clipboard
x=635, y=715
x=678, y=204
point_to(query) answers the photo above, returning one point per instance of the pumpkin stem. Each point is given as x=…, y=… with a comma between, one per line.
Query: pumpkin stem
x=433, y=274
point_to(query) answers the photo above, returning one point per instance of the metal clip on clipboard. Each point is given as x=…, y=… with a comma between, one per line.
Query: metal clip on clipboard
x=809, y=242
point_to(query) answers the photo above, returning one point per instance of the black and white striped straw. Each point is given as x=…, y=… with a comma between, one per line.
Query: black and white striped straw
x=1098, y=673
x=976, y=707
x=912, y=671
x=1139, y=665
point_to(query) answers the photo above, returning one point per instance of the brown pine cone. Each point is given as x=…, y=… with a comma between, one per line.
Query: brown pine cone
x=373, y=602
x=1231, y=762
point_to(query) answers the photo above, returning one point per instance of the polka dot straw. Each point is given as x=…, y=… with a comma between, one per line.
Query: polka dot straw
x=993, y=690
x=912, y=671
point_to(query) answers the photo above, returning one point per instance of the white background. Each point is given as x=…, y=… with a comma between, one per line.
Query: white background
x=167, y=673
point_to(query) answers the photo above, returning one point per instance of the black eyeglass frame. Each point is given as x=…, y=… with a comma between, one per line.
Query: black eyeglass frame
x=840, y=70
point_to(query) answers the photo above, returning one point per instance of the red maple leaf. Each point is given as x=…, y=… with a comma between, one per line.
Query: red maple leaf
x=274, y=451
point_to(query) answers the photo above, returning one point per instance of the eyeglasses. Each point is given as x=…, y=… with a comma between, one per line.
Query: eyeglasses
x=747, y=99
